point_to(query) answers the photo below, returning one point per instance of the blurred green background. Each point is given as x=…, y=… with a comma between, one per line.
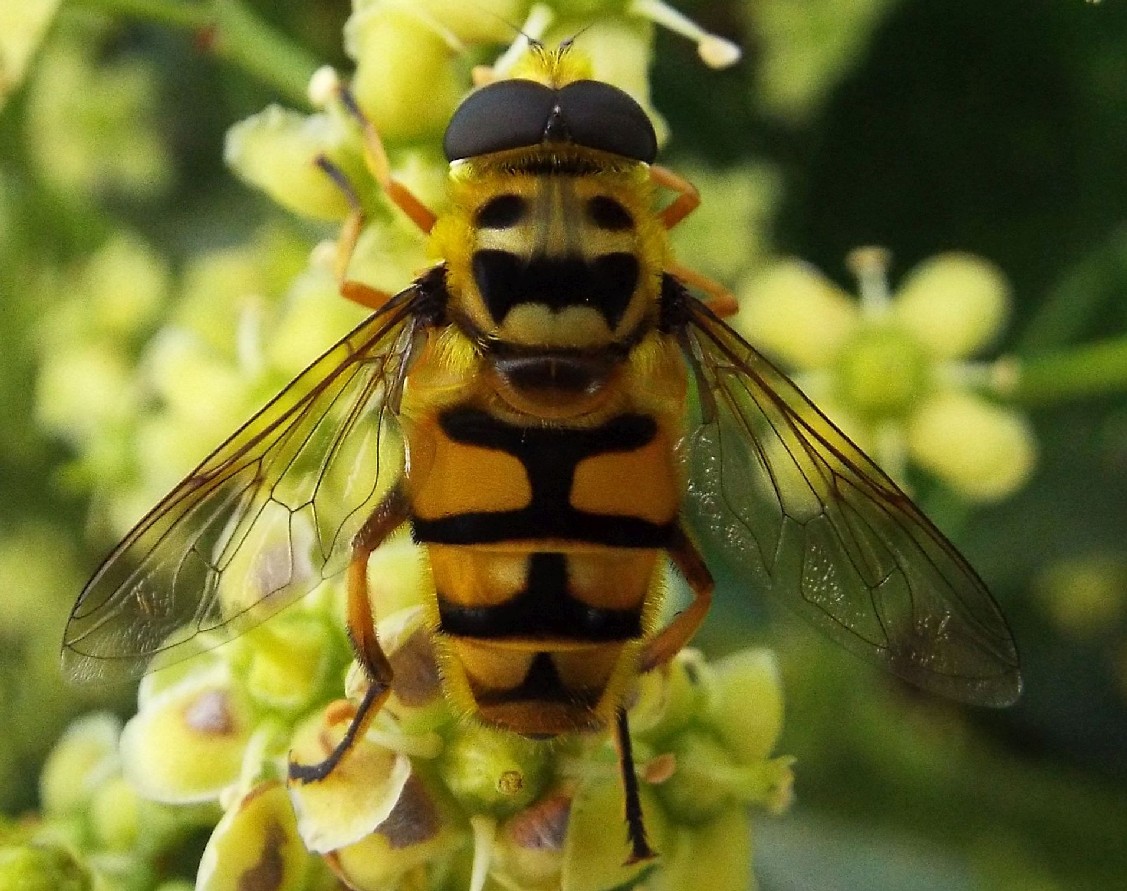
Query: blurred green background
x=998, y=128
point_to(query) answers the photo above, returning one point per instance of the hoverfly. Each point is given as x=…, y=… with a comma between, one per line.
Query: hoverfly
x=552, y=414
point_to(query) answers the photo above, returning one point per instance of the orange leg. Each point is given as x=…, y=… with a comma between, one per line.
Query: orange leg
x=687, y=200
x=719, y=299
x=375, y=157
x=385, y=519
x=669, y=641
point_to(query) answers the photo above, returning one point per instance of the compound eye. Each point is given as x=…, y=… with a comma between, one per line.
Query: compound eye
x=504, y=115
x=603, y=117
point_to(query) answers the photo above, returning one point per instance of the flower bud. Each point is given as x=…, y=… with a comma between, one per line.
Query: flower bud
x=314, y=319
x=84, y=389
x=186, y=743
x=289, y=661
x=491, y=771
x=115, y=814
x=487, y=21
x=747, y=711
x=83, y=758
x=670, y=696
x=124, y=284
x=405, y=80
x=276, y=150
x=41, y=868
x=1085, y=596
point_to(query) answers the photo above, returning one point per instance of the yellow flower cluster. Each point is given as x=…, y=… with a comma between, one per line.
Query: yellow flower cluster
x=426, y=799
x=894, y=370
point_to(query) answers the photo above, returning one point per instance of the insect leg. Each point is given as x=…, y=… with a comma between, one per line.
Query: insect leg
x=687, y=200
x=667, y=642
x=375, y=156
x=357, y=292
x=635, y=825
x=388, y=516
x=718, y=298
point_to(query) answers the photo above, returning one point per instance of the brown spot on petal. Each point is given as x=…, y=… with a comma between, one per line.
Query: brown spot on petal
x=543, y=826
x=660, y=768
x=416, y=670
x=269, y=872
x=210, y=713
x=414, y=819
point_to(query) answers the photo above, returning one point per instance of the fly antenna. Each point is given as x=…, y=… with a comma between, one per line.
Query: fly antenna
x=529, y=36
x=568, y=42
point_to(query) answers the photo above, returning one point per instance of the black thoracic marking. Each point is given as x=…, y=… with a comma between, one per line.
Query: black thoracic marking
x=544, y=610
x=501, y=212
x=606, y=213
x=606, y=283
x=550, y=456
x=541, y=683
x=563, y=371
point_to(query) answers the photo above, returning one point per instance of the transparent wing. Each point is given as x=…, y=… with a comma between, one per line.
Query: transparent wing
x=802, y=512
x=262, y=520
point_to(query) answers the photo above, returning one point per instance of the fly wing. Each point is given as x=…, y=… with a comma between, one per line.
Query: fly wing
x=260, y=522
x=800, y=511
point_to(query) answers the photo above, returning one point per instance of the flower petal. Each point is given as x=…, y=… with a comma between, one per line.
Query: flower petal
x=983, y=450
x=596, y=846
x=255, y=846
x=795, y=313
x=715, y=855
x=747, y=713
x=419, y=830
x=275, y=151
x=953, y=303
x=186, y=744
x=357, y=795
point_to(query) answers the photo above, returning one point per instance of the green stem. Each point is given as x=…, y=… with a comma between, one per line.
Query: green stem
x=233, y=33
x=1093, y=370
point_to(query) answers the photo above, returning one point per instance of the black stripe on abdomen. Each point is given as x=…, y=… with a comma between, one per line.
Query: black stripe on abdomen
x=531, y=524
x=549, y=456
x=544, y=610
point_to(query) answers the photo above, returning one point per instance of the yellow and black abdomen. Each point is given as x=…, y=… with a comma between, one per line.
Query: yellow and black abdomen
x=544, y=544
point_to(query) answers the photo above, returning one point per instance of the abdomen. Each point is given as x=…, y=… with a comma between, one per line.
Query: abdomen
x=544, y=544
